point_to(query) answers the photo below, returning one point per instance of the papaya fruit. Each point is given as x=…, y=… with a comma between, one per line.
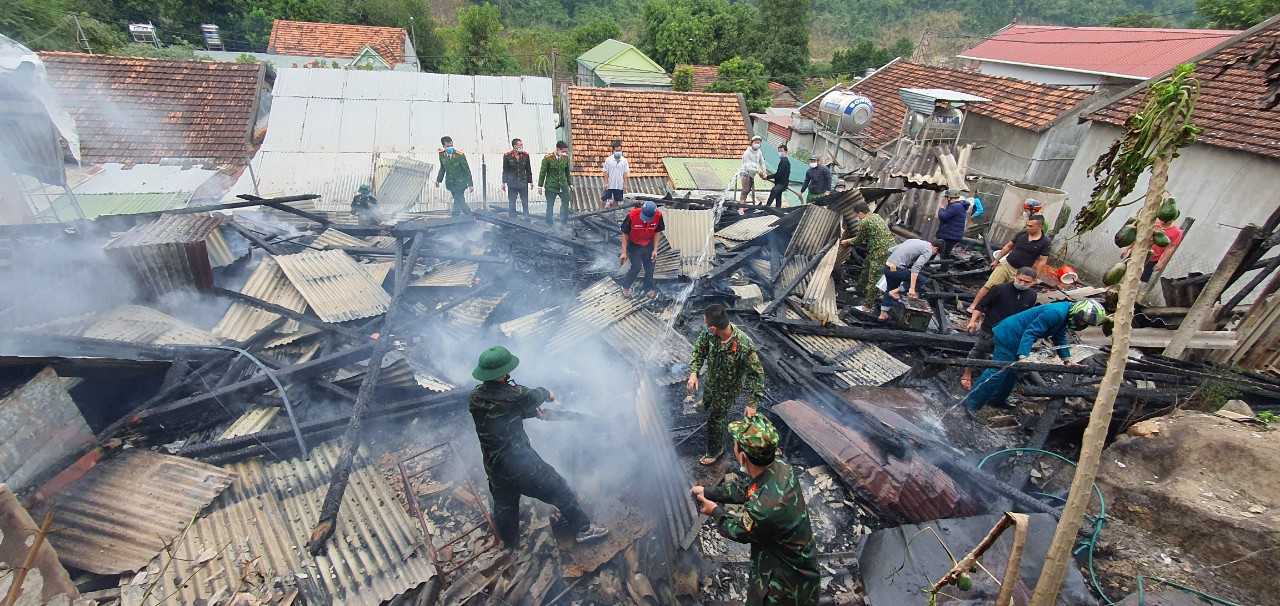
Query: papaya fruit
x=1126, y=236
x=1168, y=210
x=1160, y=239
x=1114, y=275
x=964, y=583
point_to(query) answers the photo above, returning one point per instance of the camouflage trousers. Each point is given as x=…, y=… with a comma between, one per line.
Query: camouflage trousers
x=717, y=406
x=536, y=478
x=761, y=591
x=872, y=269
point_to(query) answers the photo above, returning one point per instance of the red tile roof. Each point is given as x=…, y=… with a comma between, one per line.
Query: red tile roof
x=1016, y=102
x=336, y=40
x=783, y=96
x=1239, y=105
x=704, y=75
x=653, y=124
x=1131, y=52
x=142, y=111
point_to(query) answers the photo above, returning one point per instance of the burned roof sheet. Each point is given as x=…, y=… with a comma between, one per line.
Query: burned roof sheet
x=334, y=285
x=818, y=226
x=750, y=228
x=134, y=324
x=449, y=273
x=530, y=323
x=258, y=528
x=267, y=283
x=867, y=364
x=123, y=512
x=475, y=312
x=689, y=232
x=333, y=237
x=39, y=427
x=167, y=254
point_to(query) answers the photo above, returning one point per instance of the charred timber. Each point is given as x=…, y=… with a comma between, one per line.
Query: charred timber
x=407, y=229
x=781, y=295
x=389, y=252
x=1150, y=396
x=289, y=313
x=255, y=237
x=958, y=342
x=1132, y=375
x=728, y=267
x=494, y=219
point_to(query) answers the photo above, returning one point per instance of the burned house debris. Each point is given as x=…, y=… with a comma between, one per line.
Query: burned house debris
x=262, y=400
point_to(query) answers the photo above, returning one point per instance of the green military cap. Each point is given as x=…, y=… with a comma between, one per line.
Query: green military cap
x=364, y=189
x=494, y=363
x=755, y=435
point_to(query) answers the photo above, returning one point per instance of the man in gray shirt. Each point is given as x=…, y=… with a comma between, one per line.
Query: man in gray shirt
x=905, y=267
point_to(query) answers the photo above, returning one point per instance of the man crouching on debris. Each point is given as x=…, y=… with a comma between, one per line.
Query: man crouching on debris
x=1014, y=338
x=499, y=407
x=774, y=519
x=730, y=358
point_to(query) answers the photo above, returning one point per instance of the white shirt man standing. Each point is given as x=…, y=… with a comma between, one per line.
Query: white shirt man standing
x=615, y=174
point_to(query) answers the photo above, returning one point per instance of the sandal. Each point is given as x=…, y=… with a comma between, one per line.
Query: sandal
x=653, y=295
x=627, y=294
x=708, y=460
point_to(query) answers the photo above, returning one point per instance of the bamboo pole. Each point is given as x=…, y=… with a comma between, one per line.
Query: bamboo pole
x=1058, y=557
x=15, y=590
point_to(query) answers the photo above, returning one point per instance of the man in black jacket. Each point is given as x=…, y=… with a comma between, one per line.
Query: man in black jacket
x=781, y=178
x=517, y=173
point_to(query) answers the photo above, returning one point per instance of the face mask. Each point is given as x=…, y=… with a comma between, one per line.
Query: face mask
x=448, y=150
x=617, y=154
x=755, y=146
x=520, y=150
x=559, y=153
x=1021, y=286
x=813, y=165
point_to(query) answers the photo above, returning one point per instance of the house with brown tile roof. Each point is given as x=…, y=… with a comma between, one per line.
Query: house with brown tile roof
x=704, y=75
x=1226, y=179
x=352, y=45
x=147, y=111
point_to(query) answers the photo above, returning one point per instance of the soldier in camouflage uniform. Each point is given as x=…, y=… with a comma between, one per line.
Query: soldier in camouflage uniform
x=498, y=408
x=554, y=179
x=730, y=358
x=456, y=174
x=773, y=519
x=872, y=231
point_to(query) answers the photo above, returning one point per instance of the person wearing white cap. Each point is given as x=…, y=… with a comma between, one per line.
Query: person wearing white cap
x=752, y=165
x=641, y=230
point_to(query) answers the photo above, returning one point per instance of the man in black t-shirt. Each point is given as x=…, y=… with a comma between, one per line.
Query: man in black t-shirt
x=1003, y=301
x=1030, y=248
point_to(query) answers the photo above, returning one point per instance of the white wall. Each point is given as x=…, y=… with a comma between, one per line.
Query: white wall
x=1221, y=189
x=1040, y=74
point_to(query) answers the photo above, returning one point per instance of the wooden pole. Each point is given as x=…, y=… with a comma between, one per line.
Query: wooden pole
x=1202, y=309
x=1058, y=557
x=15, y=590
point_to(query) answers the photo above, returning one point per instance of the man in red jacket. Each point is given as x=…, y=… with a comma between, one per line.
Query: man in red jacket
x=641, y=230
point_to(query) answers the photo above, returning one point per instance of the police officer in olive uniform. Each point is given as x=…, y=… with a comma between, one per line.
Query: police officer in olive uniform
x=554, y=178
x=456, y=175
x=773, y=519
x=499, y=407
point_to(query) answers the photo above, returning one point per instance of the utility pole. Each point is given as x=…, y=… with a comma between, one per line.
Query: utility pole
x=80, y=37
x=918, y=54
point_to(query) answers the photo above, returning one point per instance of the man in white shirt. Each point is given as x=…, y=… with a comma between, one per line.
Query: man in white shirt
x=752, y=165
x=615, y=176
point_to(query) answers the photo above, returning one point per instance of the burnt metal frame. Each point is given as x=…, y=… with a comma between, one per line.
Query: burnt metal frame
x=443, y=568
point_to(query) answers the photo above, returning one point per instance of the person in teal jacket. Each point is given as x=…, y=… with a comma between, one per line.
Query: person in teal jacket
x=1014, y=338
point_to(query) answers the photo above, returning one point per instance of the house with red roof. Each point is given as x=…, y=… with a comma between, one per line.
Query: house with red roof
x=343, y=45
x=1088, y=57
x=704, y=75
x=1225, y=180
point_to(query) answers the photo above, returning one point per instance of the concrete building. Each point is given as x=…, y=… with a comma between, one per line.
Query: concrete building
x=1224, y=181
x=616, y=64
x=1088, y=57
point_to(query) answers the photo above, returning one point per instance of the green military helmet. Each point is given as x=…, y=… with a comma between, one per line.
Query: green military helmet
x=755, y=435
x=494, y=363
x=364, y=189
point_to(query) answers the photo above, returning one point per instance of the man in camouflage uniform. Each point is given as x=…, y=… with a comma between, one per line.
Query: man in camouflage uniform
x=872, y=231
x=499, y=407
x=730, y=358
x=553, y=177
x=365, y=207
x=773, y=519
x=456, y=174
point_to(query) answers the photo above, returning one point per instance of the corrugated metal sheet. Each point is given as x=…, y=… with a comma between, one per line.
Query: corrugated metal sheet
x=252, y=421
x=97, y=205
x=334, y=285
x=282, y=340
x=333, y=176
x=475, y=311
x=115, y=178
x=449, y=273
x=258, y=529
x=819, y=289
x=333, y=237
x=647, y=342
x=667, y=478
x=599, y=306
x=748, y=229
x=585, y=196
x=39, y=426
x=714, y=174
x=867, y=363
x=123, y=512
x=226, y=246
x=379, y=270
x=426, y=378
x=690, y=233
x=533, y=323
x=267, y=283
x=167, y=254
x=817, y=228
x=402, y=187
x=129, y=324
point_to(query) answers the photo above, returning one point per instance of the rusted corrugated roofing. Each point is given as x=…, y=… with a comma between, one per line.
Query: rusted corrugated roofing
x=123, y=512
x=267, y=283
x=168, y=253
x=334, y=285
x=258, y=530
x=449, y=273
x=39, y=426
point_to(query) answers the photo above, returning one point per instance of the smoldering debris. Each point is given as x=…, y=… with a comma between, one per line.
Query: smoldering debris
x=329, y=366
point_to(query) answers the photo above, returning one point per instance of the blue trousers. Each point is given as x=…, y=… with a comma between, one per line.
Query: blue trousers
x=995, y=384
x=894, y=280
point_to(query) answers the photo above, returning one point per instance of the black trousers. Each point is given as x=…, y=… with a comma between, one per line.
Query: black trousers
x=947, y=247
x=532, y=477
x=512, y=193
x=775, y=197
x=640, y=256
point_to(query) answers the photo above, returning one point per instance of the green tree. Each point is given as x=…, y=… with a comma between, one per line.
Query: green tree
x=784, y=40
x=177, y=52
x=745, y=76
x=481, y=48
x=865, y=55
x=694, y=31
x=584, y=37
x=682, y=78
x=1140, y=20
x=1236, y=14
x=257, y=28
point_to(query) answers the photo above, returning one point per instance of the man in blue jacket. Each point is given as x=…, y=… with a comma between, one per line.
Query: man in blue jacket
x=1014, y=338
x=952, y=215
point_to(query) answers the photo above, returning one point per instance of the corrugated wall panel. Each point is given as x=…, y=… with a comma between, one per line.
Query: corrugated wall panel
x=359, y=125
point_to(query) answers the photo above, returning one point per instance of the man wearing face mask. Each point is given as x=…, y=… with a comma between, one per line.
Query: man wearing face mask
x=554, y=179
x=1004, y=300
x=1016, y=335
x=499, y=407
x=817, y=180
x=730, y=358
x=616, y=170
x=774, y=519
x=456, y=175
x=516, y=176
x=752, y=166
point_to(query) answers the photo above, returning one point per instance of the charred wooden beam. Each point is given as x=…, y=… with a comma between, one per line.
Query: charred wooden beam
x=961, y=342
x=407, y=229
x=254, y=237
x=780, y=295
x=728, y=267
x=1152, y=396
x=391, y=252
x=494, y=219
x=1133, y=375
